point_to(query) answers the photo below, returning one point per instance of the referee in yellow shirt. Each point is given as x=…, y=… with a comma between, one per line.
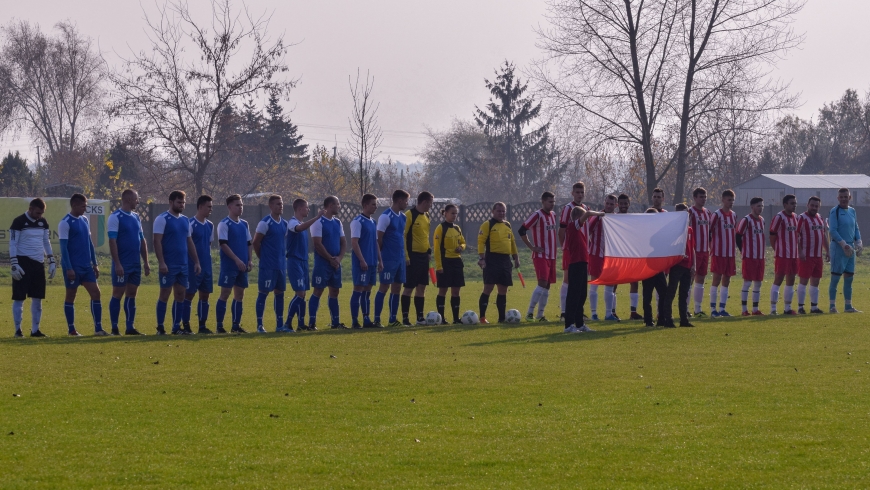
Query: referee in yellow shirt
x=496, y=245
x=417, y=254
x=449, y=268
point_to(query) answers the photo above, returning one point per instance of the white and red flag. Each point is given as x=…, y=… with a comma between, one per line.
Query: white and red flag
x=638, y=246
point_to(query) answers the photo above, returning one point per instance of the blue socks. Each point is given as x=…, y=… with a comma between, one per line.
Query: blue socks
x=220, y=311
x=202, y=312
x=69, y=309
x=379, y=304
x=394, y=306
x=847, y=289
x=237, y=312
x=97, y=314
x=114, y=312
x=832, y=288
x=130, y=311
x=354, y=306
x=185, y=310
x=333, y=310
x=366, y=305
x=313, y=305
x=279, y=310
x=177, y=313
x=161, y=313
x=292, y=309
x=261, y=307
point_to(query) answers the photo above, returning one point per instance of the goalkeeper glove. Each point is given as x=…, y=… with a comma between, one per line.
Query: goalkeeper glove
x=52, y=267
x=858, y=247
x=17, y=271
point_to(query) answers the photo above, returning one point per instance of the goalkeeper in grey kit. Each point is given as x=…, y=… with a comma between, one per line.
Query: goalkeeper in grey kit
x=28, y=246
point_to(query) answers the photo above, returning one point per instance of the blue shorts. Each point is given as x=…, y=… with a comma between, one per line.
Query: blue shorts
x=297, y=275
x=394, y=272
x=231, y=277
x=364, y=278
x=132, y=275
x=173, y=278
x=325, y=276
x=839, y=262
x=203, y=282
x=271, y=280
x=81, y=276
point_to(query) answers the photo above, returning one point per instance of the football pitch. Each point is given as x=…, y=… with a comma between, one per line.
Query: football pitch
x=757, y=402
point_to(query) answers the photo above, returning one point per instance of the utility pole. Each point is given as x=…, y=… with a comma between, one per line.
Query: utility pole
x=38, y=161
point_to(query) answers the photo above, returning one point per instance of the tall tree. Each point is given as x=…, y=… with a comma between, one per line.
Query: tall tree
x=366, y=135
x=282, y=136
x=16, y=179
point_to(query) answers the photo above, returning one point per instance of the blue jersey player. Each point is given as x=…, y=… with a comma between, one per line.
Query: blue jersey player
x=79, y=263
x=234, y=238
x=845, y=243
x=329, y=248
x=365, y=261
x=270, y=247
x=172, y=246
x=297, y=262
x=129, y=256
x=391, y=241
x=202, y=234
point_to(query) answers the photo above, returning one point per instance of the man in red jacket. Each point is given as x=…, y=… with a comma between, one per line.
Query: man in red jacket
x=680, y=275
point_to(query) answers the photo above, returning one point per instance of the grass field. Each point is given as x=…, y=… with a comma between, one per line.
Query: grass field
x=760, y=402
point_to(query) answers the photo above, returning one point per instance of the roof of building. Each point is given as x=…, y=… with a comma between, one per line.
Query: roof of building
x=836, y=181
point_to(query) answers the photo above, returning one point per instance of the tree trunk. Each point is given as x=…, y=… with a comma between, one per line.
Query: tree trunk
x=680, y=183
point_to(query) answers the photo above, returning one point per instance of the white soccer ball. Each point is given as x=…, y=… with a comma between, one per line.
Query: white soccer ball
x=513, y=316
x=470, y=318
x=433, y=318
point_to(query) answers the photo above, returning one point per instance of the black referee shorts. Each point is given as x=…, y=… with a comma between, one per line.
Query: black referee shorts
x=32, y=285
x=418, y=272
x=499, y=270
x=453, y=273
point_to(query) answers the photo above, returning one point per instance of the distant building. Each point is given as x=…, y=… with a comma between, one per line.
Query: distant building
x=773, y=187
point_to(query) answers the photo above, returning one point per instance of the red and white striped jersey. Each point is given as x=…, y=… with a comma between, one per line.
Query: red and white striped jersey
x=811, y=234
x=754, y=236
x=596, y=236
x=565, y=218
x=785, y=229
x=543, y=230
x=722, y=235
x=700, y=222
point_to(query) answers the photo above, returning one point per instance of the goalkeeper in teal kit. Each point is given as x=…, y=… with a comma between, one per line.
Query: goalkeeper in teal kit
x=845, y=244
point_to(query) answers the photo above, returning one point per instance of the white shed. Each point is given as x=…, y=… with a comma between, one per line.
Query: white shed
x=773, y=187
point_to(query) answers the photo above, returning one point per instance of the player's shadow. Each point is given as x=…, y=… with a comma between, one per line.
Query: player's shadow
x=558, y=336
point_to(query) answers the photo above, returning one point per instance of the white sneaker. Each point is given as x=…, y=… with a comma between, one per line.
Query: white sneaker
x=584, y=328
x=571, y=329
x=261, y=329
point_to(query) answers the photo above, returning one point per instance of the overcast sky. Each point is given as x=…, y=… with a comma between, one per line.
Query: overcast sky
x=429, y=58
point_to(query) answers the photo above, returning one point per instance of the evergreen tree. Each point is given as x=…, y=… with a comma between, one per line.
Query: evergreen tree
x=282, y=136
x=16, y=179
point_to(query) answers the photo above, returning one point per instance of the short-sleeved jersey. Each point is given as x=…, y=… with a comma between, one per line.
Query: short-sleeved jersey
x=699, y=220
x=29, y=238
x=126, y=229
x=175, y=231
x=753, y=233
x=237, y=236
x=448, y=236
x=273, y=246
x=202, y=235
x=785, y=228
x=297, y=241
x=77, y=232
x=392, y=224
x=330, y=232
x=844, y=225
x=575, y=243
x=565, y=218
x=365, y=230
x=722, y=237
x=543, y=229
x=417, y=227
x=595, y=241
x=496, y=237
x=811, y=234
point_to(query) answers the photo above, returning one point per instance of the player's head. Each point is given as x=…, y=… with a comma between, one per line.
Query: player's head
x=843, y=197
x=369, y=204
x=177, y=200
x=276, y=205
x=813, y=205
x=204, y=205
x=129, y=199
x=235, y=207
x=578, y=192
x=36, y=208
x=681, y=206
x=548, y=201
x=658, y=197
x=300, y=208
x=450, y=212
x=699, y=196
x=400, y=199
x=331, y=205
x=624, y=202
x=651, y=210
x=610, y=203
x=424, y=201
x=757, y=205
x=789, y=203
x=78, y=204
x=499, y=210
x=727, y=199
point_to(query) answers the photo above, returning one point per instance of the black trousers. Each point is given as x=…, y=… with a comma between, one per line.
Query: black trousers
x=660, y=285
x=679, y=277
x=576, y=300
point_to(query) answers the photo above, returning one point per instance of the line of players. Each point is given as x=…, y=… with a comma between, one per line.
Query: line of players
x=397, y=249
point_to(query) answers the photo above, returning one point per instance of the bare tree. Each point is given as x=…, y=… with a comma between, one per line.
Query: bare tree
x=176, y=90
x=51, y=85
x=366, y=135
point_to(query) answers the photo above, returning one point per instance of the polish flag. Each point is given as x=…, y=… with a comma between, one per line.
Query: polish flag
x=640, y=245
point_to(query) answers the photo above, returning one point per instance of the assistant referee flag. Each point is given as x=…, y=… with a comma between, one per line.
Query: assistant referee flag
x=639, y=246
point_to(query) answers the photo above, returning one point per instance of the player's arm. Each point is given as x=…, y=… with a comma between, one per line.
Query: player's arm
x=262, y=229
x=93, y=254
x=859, y=245
x=157, y=232
x=383, y=224
x=304, y=225
x=143, y=251
x=191, y=250
x=408, y=243
x=112, y=226
x=580, y=215
x=355, y=232
x=482, y=235
x=563, y=225
x=774, y=226
x=742, y=226
x=524, y=228
x=514, y=252
x=63, y=235
x=461, y=241
x=16, y=270
x=437, y=241
x=342, y=249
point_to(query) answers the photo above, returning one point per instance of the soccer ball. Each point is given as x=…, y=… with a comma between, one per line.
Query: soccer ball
x=513, y=316
x=433, y=318
x=470, y=318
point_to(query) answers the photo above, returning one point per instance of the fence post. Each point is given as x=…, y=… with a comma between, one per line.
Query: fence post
x=508, y=215
x=462, y=216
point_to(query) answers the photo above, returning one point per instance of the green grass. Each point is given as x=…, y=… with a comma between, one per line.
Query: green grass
x=760, y=402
